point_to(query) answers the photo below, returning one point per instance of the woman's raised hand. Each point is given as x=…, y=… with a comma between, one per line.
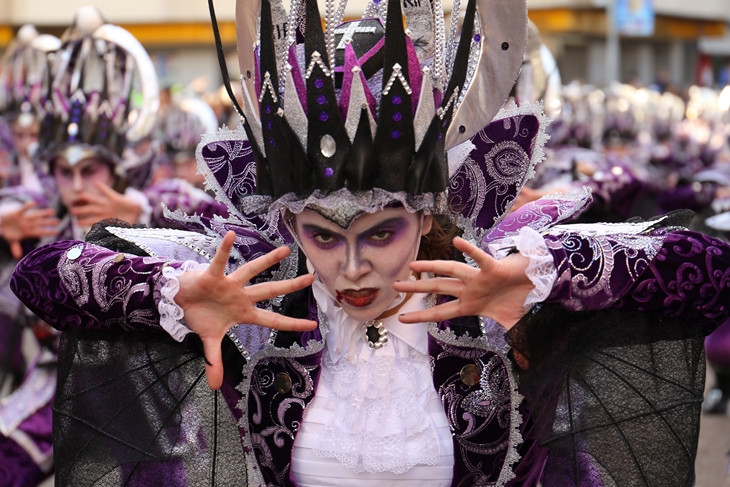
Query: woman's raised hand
x=496, y=289
x=214, y=302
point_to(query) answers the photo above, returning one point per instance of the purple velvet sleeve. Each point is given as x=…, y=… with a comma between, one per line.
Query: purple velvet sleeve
x=78, y=285
x=689, y=278
x=684, y=274
x=596, y=270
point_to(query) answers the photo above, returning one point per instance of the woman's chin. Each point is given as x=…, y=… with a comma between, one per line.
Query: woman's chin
x=365, y=313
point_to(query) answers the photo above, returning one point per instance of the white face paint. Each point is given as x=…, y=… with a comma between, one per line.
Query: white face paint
x=358, y=266
x=73, y=180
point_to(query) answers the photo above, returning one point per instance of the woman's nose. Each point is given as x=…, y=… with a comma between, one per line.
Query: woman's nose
x=355, y=266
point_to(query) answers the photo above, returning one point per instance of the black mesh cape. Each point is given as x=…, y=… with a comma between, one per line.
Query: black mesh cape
x=615, y=397
x=134, y=408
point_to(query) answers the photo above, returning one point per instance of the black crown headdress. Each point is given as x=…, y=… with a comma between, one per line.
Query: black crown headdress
x=89, y=99
x=333, y=116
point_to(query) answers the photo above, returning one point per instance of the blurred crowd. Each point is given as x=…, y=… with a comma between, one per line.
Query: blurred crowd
x=642, y=152
x=86, y=134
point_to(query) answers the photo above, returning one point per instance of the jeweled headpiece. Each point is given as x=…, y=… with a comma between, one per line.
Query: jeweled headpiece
x=24, y=71
x=87, y=107
x=358, y=115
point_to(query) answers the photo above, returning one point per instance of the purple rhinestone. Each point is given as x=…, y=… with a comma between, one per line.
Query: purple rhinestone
x=397, y=117
x=268, y=108
x=269, y=125
x=441, y=136
x=395, y=134
x=321, y=100
x=319, y=84
x=376, y=2
x=323, y=117
x=271, y=141
x=477, y=37
x=329, y=172
x=445, y=122
x=397, y=100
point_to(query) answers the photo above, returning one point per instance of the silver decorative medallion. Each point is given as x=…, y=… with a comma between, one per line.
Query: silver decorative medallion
x=73, y=254
x=375, y=334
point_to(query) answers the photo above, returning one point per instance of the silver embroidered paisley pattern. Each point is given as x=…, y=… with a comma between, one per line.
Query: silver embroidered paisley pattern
x=599, y=267
x=101, y=284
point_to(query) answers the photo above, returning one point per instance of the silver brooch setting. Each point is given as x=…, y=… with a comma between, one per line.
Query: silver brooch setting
x=375, y=334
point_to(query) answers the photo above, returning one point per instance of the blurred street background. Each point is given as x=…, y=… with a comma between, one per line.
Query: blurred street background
x=672, y=43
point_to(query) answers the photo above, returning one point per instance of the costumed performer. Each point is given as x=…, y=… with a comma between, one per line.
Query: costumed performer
x=384, y=369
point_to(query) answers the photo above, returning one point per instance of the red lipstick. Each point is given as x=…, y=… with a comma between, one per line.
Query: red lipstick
x=357, y=298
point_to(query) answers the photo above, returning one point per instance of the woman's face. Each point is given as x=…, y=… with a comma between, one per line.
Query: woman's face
x=74, y=180
x=358, y=266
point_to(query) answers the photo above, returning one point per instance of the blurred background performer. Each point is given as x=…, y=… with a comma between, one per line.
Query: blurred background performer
x=94, y=144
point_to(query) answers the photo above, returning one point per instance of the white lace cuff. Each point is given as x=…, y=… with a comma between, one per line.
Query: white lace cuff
x=171, y=314
x=541, y=269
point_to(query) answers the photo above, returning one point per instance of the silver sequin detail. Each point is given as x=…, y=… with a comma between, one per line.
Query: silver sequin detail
x=316, y=61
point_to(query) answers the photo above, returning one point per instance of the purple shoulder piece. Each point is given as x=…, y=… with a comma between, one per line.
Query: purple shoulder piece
x=177, y=194
x=77, y=285
x=502, y=160
x=539, y=215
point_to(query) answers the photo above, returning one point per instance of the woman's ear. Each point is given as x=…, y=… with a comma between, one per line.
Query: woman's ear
x=427, y=224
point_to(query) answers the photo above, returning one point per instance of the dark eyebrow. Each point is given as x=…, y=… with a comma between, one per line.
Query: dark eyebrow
x=310, y=227
x=397, y=221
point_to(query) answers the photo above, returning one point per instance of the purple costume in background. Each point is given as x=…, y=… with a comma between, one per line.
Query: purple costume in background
x=627, y=271
x=26, y=453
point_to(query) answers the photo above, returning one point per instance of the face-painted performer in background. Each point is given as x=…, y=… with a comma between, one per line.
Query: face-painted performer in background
x=77, y=93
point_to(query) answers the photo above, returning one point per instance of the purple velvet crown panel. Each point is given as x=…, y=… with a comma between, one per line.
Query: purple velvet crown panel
x=503, y=159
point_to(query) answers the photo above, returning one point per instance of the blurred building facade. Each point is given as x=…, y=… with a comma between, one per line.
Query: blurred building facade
x=176, y=33
x=178, y=36
x=575, y=30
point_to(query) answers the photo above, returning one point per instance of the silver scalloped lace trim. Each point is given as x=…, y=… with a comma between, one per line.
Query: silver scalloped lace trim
x=366, y=201
x=538, y=148
x=515, y=437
